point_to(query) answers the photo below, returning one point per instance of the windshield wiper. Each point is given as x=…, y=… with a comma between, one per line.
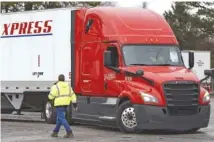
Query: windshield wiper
x=163, y=65
x=141, y=64
x=154, y=64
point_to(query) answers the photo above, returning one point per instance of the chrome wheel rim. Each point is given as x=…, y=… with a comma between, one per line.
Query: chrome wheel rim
x=48, y=110
x=128, y=118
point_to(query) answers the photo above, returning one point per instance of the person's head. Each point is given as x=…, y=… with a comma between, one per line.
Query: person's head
x=61, y=77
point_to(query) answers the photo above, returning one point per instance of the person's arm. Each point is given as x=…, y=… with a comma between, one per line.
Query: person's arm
x=53, y=93
x=73, y=99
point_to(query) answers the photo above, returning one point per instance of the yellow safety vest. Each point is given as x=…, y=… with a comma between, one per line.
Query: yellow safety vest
x=62, y=94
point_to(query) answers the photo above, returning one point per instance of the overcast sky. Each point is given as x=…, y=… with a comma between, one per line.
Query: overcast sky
x=158, y=6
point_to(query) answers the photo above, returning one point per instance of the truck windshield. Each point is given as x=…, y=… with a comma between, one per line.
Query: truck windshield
x=152, y=55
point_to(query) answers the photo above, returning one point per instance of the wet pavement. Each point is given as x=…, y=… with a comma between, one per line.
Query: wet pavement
x=40, y=132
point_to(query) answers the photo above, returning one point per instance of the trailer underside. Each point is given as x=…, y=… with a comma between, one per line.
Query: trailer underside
x=24, y=95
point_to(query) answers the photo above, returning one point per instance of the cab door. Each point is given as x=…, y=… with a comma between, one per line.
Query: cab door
x=111, y=77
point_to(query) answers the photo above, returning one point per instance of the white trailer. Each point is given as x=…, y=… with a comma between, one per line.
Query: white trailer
x=35, y=49
x=202, y=62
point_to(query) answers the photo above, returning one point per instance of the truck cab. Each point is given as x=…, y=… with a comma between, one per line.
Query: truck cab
x=130, y=70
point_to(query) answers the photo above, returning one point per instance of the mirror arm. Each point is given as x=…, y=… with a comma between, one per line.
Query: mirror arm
x=117, y=70
x=205, y=78
x=190, y=68
x=128, y=73
x=150, y=81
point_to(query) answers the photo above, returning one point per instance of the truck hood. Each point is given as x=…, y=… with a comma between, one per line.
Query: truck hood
x=161, y=74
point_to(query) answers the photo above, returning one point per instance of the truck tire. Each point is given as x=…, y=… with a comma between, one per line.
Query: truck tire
x=50, y=113
x=126, y=117
x=69, y=114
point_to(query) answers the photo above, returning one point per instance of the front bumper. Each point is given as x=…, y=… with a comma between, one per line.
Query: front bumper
x=157, y=118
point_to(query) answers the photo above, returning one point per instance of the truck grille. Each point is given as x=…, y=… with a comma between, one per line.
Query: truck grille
x=181, y=97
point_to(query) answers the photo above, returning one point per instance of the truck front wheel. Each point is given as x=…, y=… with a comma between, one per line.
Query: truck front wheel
x=126, y=118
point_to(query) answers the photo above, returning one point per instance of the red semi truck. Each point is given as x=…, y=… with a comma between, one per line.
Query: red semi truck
x=124, y=64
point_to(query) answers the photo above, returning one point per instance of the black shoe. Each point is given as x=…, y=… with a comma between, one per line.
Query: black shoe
x=54, y=134
x=69, y=135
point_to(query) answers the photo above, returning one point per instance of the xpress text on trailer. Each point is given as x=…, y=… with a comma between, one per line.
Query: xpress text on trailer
x=124, y=64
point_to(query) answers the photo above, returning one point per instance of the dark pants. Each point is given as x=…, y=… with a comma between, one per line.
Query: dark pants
x=60, y=111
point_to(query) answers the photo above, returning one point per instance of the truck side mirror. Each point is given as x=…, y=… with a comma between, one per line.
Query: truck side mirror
x=107, y=58
x=191, y=60
x=209, y=72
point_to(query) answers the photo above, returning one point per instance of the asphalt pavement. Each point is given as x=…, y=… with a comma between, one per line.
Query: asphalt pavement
x=40, y=132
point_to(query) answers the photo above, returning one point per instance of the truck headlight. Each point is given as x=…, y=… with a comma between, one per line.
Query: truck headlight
x=206, y=97
x=148, y=98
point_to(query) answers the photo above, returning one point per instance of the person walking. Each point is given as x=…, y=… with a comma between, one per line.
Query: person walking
x=62, y=95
